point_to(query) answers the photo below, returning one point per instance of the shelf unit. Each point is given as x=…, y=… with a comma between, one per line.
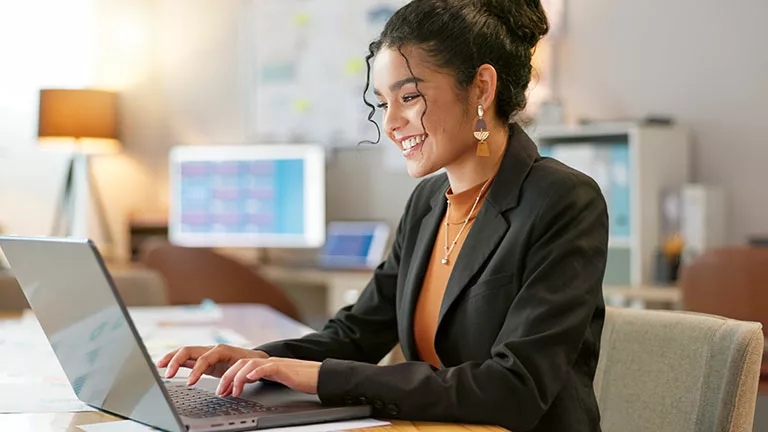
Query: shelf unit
x=633, y=164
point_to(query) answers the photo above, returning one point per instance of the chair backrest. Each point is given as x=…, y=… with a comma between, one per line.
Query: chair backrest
x=677, y=371
x=730, y=282
x=192, y=275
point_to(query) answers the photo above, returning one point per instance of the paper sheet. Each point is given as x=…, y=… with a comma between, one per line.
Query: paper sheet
x=163, y=339
x=39, y=398
x=333, y=426
x=27, y=355
x=131, y=426
x=193, y=314
x=117, y=426
x=33, y=382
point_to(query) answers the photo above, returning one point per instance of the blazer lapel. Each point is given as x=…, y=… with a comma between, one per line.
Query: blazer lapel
x=420, y=260
x=483, y=238
x=490, y=226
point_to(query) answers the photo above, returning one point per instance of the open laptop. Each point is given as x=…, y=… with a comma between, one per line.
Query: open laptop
x=74, y=298
x=353, y=245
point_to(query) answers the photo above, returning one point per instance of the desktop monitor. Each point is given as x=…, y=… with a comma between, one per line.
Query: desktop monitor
x=247, y=196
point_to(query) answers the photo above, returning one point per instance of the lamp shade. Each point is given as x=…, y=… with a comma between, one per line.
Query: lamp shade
x=80, y=115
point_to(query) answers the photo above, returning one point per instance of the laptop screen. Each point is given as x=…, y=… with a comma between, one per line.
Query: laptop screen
x=73, y=298
x=354, y=244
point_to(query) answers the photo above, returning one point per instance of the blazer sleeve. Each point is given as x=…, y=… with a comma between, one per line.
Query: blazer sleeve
x=536, y=347
x=363, y=332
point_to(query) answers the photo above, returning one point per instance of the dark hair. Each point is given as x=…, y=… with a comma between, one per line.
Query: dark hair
x=461, y=36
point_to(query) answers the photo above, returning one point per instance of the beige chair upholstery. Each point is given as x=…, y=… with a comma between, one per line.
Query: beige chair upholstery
x=677, y=371
x=137, y=287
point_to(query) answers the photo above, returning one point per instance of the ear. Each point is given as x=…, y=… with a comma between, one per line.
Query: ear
x=484, y=86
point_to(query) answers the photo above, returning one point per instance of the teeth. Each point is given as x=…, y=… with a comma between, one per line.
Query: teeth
x=413, y=141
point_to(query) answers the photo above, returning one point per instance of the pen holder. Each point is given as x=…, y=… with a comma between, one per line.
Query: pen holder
x=666, y=268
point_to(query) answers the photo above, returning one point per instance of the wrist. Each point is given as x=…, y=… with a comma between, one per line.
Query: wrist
x=261, y=354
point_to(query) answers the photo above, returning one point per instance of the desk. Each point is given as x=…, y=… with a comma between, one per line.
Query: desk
x=69, y=422
x=343, y=287
x=256, y=322
x=670, y=296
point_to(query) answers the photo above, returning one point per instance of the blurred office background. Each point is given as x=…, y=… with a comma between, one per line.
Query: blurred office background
x=180, y=70
x=678, y=90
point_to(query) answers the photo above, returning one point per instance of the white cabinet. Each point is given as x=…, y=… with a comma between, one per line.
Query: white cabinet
x=633, y=164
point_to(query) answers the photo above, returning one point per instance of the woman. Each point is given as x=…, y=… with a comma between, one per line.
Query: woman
x=493, y=284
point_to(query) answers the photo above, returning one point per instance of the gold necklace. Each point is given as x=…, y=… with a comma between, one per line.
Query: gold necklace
x=447, y=250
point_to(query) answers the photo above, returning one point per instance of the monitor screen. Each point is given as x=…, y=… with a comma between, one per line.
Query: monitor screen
x=247, y=196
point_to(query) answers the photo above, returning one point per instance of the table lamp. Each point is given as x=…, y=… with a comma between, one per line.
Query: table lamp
x=86, y=122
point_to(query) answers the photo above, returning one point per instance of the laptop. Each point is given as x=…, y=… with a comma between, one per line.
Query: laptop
x=74, y=298
x=351, y=245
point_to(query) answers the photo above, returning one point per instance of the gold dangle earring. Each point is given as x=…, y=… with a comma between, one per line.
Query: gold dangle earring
x=481, y=133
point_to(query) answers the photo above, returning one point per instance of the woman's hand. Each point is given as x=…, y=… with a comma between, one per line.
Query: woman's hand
x=209, y=360
x=299, y=375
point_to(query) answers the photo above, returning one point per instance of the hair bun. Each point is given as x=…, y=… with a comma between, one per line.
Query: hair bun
x=525, y=20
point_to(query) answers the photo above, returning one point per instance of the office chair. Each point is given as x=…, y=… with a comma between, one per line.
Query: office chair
x=192, y=275
x=730, y=282
x=677, y=371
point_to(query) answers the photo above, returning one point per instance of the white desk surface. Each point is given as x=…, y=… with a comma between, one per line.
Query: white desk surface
x=258, y=323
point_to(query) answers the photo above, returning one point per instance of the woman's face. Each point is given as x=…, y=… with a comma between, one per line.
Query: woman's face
x=446, y=137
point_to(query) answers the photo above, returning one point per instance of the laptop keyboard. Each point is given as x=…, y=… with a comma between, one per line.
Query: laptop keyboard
x=198, y=403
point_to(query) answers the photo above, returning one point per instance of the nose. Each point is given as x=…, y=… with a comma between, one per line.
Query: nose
x=393, y=119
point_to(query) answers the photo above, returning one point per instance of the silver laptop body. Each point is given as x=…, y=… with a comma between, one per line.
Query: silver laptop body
x=74, y=298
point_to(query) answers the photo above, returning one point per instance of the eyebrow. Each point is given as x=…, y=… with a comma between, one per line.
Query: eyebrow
x=400, y=84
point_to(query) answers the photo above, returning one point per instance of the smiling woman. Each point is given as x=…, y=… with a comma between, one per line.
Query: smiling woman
x=444, y=67
x=493, y=284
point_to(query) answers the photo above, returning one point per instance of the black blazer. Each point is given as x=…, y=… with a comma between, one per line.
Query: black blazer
x=519, y=328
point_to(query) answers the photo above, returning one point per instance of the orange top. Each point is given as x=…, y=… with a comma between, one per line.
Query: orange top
x=436, y=277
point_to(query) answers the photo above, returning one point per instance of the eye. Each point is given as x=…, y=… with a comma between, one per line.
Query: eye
x=409, y=98
x=382, y=106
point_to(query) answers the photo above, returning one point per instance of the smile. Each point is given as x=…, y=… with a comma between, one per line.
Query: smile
x=411, y=144
x=413, y=141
